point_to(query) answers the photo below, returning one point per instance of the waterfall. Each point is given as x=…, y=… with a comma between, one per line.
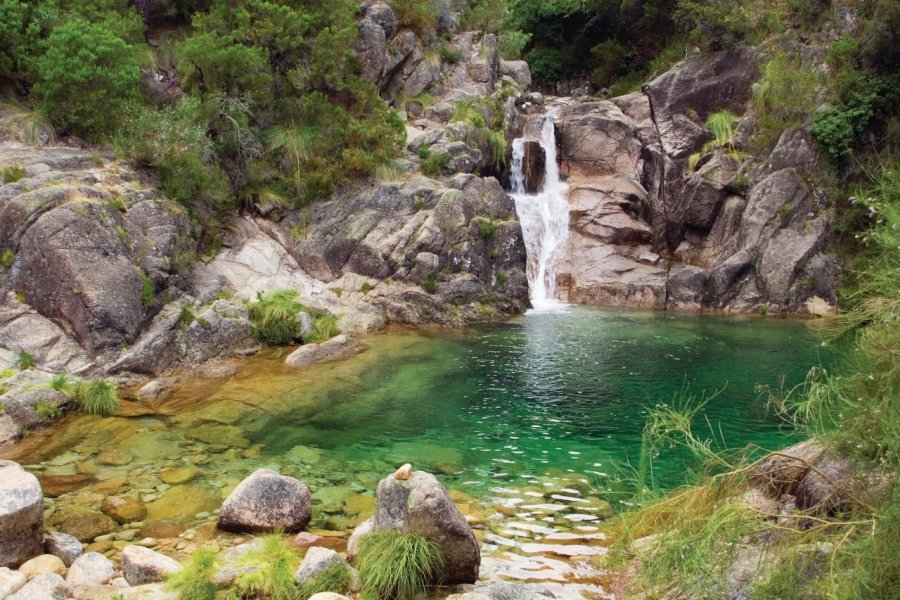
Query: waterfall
x=544, y=218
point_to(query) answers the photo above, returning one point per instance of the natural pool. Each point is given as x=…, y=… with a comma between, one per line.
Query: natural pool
x=531, y=421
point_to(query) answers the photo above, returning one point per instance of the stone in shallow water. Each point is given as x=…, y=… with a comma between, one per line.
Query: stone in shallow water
x=57, y=485
x=228, y=436
x=114, y=458
x=178, y=475
x=87, y=525
x=124, y=509
x=181, y=502
x=91, y=569
x=21, y=515
x=316, y=560
x=266, y=501
x=63, y=545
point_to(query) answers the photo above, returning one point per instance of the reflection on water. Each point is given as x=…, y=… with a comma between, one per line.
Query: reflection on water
x=530, y=422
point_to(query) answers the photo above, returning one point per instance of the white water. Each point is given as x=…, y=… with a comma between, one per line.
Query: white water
x=544, y=218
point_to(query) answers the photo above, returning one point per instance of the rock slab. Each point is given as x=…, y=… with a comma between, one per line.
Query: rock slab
x=266, y=501
x=21, y=515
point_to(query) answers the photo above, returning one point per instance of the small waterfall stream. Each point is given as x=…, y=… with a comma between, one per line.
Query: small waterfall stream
x=544, y=217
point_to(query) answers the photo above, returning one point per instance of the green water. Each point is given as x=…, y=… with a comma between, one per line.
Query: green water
x=546, y=408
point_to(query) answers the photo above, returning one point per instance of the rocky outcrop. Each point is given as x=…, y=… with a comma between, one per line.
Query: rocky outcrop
x=21, y=515
x=420, y=505
x=648, y=229
x=266, y=501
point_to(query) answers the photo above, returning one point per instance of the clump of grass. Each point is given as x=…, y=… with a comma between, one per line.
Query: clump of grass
x=186, y=317
x=13, y=173
x=487, y=228
x=335, y=578
x=60, y=383
x=7, y=258
x=326, y=327
x=435, y=164
x=430, y=284
x=274, y=317
x=47, y=411
x=783, y=99
x=194, y=580
x=98, y=397
x=272, y=576
x=26, y=361
x=366, y=287
x=722, y=124
x=397, y=565
x=148, y=290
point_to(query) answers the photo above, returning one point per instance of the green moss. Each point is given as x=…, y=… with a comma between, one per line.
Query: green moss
x=397, y=565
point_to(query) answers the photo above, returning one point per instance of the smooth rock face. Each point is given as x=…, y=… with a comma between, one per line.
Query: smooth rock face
x=21, y=515
x=48, y=586
x=10, y=581
x=142, y=565
x=45, y=563
x=91, y=569
x=317, y=559
x=422, y=506
x=266, y=501
x=64, y=546
x=310, y=353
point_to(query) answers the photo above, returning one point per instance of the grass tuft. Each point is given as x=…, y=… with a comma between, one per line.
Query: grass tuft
x=335, y=578
x=98, y=397
x=397, y=565
x=274, y=317
x=273, y=575
x=194, y=580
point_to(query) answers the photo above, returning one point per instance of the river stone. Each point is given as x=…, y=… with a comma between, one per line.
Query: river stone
x=115, y=458
x=88, y=525
x=422, y=506
x=10, y=581
x=317, y=559
x=266, y=501
x=309, y=353
x=178, y=475
x=124, y=509
x=21, y=515
x=48, y=586
x=45, y=563
x=328, y=596
x=63, y=545
x=142, y=565
x=91, y=569
x=57, y=485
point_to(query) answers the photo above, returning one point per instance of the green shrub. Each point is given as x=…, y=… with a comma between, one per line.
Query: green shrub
x=430, y=284
x=366, y=287
x=194, y=580
x=274, y=317
x=47, y=411
x=435, y=164
x=547, y=65
x=397, y=565
x=86, y=78
x=418, y=15
x=326, y=327
x=98, y=397
x=7, y=258
x=13, y=173
x=274, y=564
x=487, y=228
x=148, y=290
x=335, y=578
x=60, y=383
x=783, y=99
x=716, y=24
x=450, y=54
x=26, y=361
x=512, y=43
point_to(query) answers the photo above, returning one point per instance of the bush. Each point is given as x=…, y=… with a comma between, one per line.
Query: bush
x=274, y=564
x=783, y=99
x=99, y=397
x=13, y=173
x=274, y=317
x=86, y=78
x=487, y=228
x=194, y=580
x=718, y=24
x=431, y=284
x=547, y=65
x=26, y=361
x=326, y=327
x=59, y=383
x=512, y=43
x=418, y=15
x=397, y=565
x=837, y=128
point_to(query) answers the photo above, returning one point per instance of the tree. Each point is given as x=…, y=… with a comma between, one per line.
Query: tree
x=86, y=78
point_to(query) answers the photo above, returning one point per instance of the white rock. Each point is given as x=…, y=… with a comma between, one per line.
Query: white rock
x=48, y=586
x=91, y=569
x=21, y=515
x=10, y=581
x=316, y=560
x=142, y=565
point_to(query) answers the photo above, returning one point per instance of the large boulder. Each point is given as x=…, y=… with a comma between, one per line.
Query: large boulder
x=21, y=515
x=309, y=353
x=91, y=569
x=420, y=505
x=143, y=565
x=266, y=501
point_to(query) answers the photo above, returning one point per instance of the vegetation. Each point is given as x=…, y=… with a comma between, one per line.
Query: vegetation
x=335, y=578
x=272, y=575
x=13, y=173
x=194, y=580
x=26, y=361
x=7, y=258
x=783, y=99
x=397, y=565
x=98, y=397
x=435, y=164
x=276, y=321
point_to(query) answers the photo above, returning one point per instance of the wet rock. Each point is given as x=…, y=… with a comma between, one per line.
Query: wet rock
x=115, y=458
x=328, y=596
x=157, y=390
x=316, y=560
x=422, y=506
x=306, y=539
x=62, y=545
x=504, y=591
x=781, y=472
x=142, y=565
x=10, y=581
x=45, y=563
x=177, y=475
x=266, y=501
x=21, y=515
x=310, y=353
x=87, y=525
x=91, y=569
x=48, y=586
x=124, y=509
x=57, y=485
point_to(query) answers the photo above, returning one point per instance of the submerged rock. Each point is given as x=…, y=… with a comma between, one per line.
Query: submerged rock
x=422, y=506
x=124, y=509
x=87, y=525
x=21, y=515
x=266, y=501
x=309, y=353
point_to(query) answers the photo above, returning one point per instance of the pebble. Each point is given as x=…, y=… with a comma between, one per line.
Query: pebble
x=147, y=542
x=147, y=498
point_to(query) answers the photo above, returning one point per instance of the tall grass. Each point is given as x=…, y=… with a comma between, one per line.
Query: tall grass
x=335, y=578
x=397, y=565
x=194, y=580
x=98, y=397
x=272, y=576
x=783, y=99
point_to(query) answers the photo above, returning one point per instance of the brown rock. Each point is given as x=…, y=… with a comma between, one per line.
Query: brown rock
x=88, y=525
x=178, y=475
x=403, y=472
x=57, y=485
x=124, y=509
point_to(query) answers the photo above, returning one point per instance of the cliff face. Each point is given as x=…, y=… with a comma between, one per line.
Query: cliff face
x=648, y=229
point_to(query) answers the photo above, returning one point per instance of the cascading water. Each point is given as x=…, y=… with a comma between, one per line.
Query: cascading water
x=544, y=218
